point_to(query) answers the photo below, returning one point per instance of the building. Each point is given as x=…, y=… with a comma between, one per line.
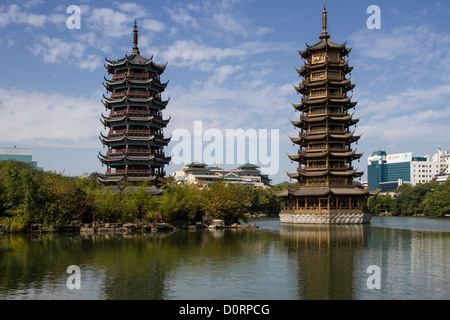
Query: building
x=325, y=191
x=18, y=154
x=135, y=140
x=199, y=173
x=386, y=172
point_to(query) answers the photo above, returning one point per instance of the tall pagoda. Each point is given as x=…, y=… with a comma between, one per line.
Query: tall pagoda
x=325, y=191
x=135, y=138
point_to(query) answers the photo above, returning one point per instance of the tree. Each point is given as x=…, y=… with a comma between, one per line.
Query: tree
x=381, y=203
x=226, y=201
x=181, y=202
x=409, y=198
x=437, y=201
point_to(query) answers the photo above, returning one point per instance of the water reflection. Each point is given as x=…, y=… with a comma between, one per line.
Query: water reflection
x=273, y=262
x=325, y=258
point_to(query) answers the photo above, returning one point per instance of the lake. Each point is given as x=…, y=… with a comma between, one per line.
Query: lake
x=391, y=258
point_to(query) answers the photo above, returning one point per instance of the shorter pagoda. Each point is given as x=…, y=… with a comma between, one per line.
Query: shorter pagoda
x=325, y=192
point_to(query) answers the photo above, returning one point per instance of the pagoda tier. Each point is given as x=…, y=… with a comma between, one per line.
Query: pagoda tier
x=135, y=139
x=325, y=191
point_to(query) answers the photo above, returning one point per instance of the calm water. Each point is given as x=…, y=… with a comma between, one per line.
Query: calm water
x=273, y=262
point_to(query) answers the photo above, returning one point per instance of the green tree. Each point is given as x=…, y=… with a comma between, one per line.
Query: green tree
x=228, y=202
x=437, y=201
x=381, y=203
x=181, y=202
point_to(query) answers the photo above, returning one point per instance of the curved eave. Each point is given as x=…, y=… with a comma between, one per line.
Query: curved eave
x=350, y=154
x=107, y=159
x=125, y=137
x=324, y=43
x=312, y=155
x=108, y=100
x=106, y=179
x=293, y=175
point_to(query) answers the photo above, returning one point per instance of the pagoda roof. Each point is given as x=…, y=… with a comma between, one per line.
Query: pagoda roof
x=308, y=137
x=324, y=44
x=322, y=154
x=124, y=157
x=124, y=177
x=126, y=99
x=346, y=101
x=126, y=137
x=134, y=118
x=308, y=173
x=135, y=59
x=134, y=81
x=306, y=119
x=322, y=191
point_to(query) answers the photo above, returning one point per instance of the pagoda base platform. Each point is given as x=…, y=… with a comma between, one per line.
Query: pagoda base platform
x=324, y=218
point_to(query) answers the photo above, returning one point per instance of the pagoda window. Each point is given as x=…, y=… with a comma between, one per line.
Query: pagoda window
x=316, y=129
x=318, y=181
x=335, y=92
x=334, y=75
x=336, y=146
x=318, y=93
x=335, y=109
x=317, y=165
x=319, y=110
x=319, y=57
x=333, y=56
x=318, y=75
x=317, y=146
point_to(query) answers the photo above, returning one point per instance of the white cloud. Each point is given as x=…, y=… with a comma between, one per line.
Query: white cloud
x=183, y=17
x=54, y=50
x=14, y=14
x=48, y=119
x=152, y=25
x=193, y=53
x=414, y=115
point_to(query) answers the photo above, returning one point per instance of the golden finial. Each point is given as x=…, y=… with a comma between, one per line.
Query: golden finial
x=324, y=22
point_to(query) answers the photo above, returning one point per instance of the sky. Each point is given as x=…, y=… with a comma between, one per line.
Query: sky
x=230, y=66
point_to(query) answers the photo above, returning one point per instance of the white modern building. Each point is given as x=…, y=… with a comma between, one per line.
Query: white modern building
x=247, y=174
x=388, y=171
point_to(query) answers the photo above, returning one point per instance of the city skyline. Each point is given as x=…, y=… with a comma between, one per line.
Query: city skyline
x=231, y=65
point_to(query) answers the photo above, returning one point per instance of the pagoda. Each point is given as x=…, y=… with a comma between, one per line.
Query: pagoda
x=135, y=138
x=325, y=192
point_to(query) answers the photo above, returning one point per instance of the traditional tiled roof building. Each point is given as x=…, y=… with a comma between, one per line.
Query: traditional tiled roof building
x=325, y=191
x=135, y=139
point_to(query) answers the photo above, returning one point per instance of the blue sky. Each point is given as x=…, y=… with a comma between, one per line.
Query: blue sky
x=231, y=65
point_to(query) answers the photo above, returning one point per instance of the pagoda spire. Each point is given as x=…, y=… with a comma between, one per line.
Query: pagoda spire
x=135, y=39
x=324, y=34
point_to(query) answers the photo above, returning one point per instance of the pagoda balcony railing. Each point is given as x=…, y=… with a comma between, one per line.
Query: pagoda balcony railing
x=121, y=75
x=324, y=111
x=138, y=112
x=130, y=151
x=130, y=93
x=324, y=130
x=129, y=171
x=130, y=111
x=324, y=147
x=129, y=131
